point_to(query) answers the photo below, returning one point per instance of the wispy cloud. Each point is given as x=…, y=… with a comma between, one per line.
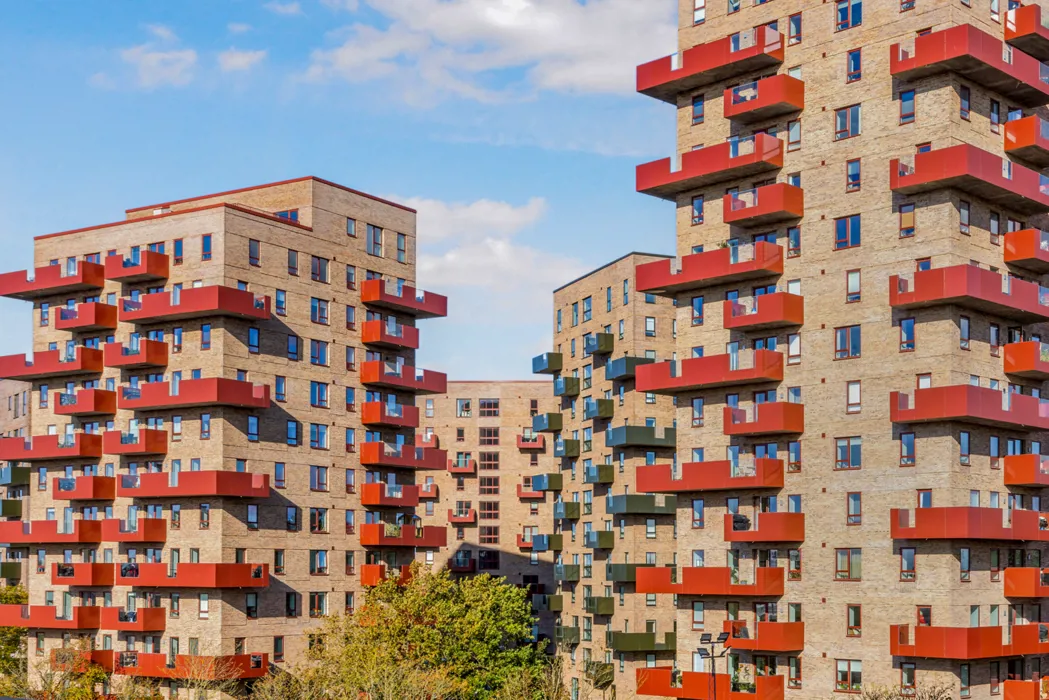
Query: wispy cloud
x=238, y=27
x=284, y=8
x=348, y=5
x=159, y=62
x=234, y=60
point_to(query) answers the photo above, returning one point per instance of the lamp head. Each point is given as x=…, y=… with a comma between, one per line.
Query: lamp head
x=705, y=638
x=722, y=638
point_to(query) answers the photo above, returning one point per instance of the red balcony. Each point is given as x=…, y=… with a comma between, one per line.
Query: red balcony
x=85, y=402
x=379, y=495
x=51, y=363
x=49, y=617
x=969, y=404
x=78, y=661
x=82, y=574
x=710, y=581
x=973, y=288
x=765, y=636
x=526, y=493
x=1028, y=138
x=140, y=620
x=668, y=77
x=462, y=565
x=968, y=643
x=198, y=668
x=1028, y=359
x=711, y=476
x=1026, y=582
x=763, y=206
x=195, y=393
x=765, y=527
x=150, y=266
x=91, y=316
x=430, y=440
x=1023, y=690
x=374, y=574
x=524, y=541
x=383, y=335
x=970, y=169
x=660, y=681
x=746, y=367
x=778, y=418
x=51, y=280
x=382, y=413
x=147, y=441
x=977, y=56
x=42, y=448
x=710, y=268
x=1026, y=470
x=85, y=488
x=776, y=310
x=462, y=467
x=381, y=454
x=1028, y=249
x=149, y=353
x=764, y=99
x=409, y=301
x=21, y=532
x=142, y=530
x=462, y=517
x=188, y=484
x=967, y=523
x=197, y=302
x=389, y=375
x=731, y=160
x=386, y=535
x=535, y=441
x=193, y=575
x=429, y=492
x=1025, y=30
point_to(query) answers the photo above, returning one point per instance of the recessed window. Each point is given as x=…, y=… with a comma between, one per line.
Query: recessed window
x=853, y=65
x=907, y=107
x=846, y=122
x=847, y=232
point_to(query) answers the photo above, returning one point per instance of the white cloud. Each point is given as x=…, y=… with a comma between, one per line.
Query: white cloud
x=236, y=60
x=164, y=34
x=238, y=27
x=284, y=8
x=348, y=5
x=155, y=68
x=442, y=221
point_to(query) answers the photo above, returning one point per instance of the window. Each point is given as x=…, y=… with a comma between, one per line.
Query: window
x=205, y=336
x=697, y=513
x=965, y=564
x=963, y=217
x=907, y=572
x=847, y=232
x=963, y=332
x=697, y=311
x=853, y=508
x=351, y=228
x=906, y=220
x=794, y=29
x=253, y=428
x=853, y=403
x=793, y=348
x=794, y=242
x=963, y=677
x=906, y=334
x=489, y=408
x=318, y=352
x=318, y=436
x=907, y=453
x=374, y=241
x=319, y=269
x=852, y=175
x=849, y=677
x=319, y=310
x=697, y=109
x=793, y=134
x=852, y=286
x=853, y=65
x=205, y=426
x=278, y=475
x=848, y=452
x=963, y=448
x=846, y=342
x=846, y=122
x=402, y=248
x=650, y=327
x=996, y=116
x=205, y=247
x=697, y=210
x=848, y=564
x=699, y=13
x=293, y=263
x=254, y=248
x=854, y=621
x=849, y=14
x=965, y=100
x=178, y=245
x=294, y=349
x=907, y=107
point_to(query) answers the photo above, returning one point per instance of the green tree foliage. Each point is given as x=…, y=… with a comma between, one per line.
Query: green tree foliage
x=13, y=645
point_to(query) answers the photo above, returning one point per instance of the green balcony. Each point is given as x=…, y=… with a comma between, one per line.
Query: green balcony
x=547, y=603
x=625, y=367
x=641, y=641
x=640, y=436
x=547, y=482
x=11, y=508
x=566, y=386
x=599, y=344
x=566, y=635
x=11, y=570
x=598, y=408
x=566, y=448
x=567, y=510
x=600, y=539
x=599, y=605
x=566, y=572
x=547, y=363
x=547, y=423
x=641, y=504
x=600, y=674
x=547, y=543
x=599, y=474
x=14, y=476
x=623, y=573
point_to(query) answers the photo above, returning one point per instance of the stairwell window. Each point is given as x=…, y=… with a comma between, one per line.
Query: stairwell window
x=846, y=122
x=698, y=109
x=965, y=102
x=963, y=217
x=697, y=216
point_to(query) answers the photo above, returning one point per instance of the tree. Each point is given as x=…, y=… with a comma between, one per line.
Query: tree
x=134, y=688
x=72, y=676
x=13, y=642
x=207, y=673
x=922, y=691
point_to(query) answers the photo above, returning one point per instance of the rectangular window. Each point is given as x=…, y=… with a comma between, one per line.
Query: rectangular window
x=351, y=228
x=965, y=100
x=852, y=286
x=907, y=450
x=848, y=13
x=794, y=29
x=319, y=269
x=852, y=175
x=697, y=311
x=907, y=571
x=699, y=13
x=907, y=107
x=852, y=397
x=697, y=210
x=848, y=564
x=794, y=241
x=849, y=453
x=996, y=117
x=853, y=65
x=963, y=332
x=854, y=508
x=698, y=108
x=847, y=342
x=854, y=621
x=793, y=134
x=846, y=122
x=963, y=217
x=906, y=334
x=402, y=248
x=847, y=232
x=205, y=247
x=254, y=253
x=374, y=241
x=293, y=263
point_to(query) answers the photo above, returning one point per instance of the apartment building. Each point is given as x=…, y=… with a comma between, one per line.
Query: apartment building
x=209, y=378
x=603, y=430
x=859, y=197
x=14, y=408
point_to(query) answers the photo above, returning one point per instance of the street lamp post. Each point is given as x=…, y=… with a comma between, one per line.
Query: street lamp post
x=709, y=640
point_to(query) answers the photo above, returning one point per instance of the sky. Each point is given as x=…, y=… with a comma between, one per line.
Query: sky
x=511, y=125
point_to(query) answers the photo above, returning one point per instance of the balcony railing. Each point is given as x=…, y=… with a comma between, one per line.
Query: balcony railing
x=770, y=418
x=765, y=527
x=667, y=682
x=184, y=484
x=731, y=263
x=394, y=375
x=970, y=404
x=764, y=99
x=85, y=402
x=1028, y=249
x=51, y=363
x=547, y=363
x=90, y=316
x=146, y=266
x=732, y=160
x=197, y=302
x=729, y=369
x=720, y=581
x=745, y=472
x=1027, y=29
x=52, y=280
x=762, y=206
x=775, y=310
x=195, y=393
x=403, y=299
x=968, y=523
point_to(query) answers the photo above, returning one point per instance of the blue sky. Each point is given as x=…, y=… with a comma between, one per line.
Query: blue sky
x=510, y=124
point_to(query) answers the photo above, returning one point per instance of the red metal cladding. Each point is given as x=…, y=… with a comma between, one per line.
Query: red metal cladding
x=975, y=55
x=90, y=316
x=78, y=661
x=403, y=378
x=525, y=493
x=133, y=663
x=191, y=484
x=764, y=99
x=765, y=636
x=146, y=441
x=1025, y=470
x=536, y=441
x=381, y=334
x=1023, y=690
x=1028, y=359
x=410, y=301
x=1026, y=582
x=1028, y=138
x=194, y=575
x=40, y=448
x=195, y=393
x=379, y=495
x=430, y=440
x=767, y=527
x=49, y=617
x=964, y=643
x=709, y=268
x=524, y=541
x=462, y=467
x=197, y=302
x=149, y=353
x=381, y=454
x=706, y=166
x=150, y=266
x=47, y=532
x=971, y=287
x=1028, y=248
x=969, y=404
x=771, y=204
x=139, y=620
x=711, y=476
x=666, y=682
x=84, y=488
x=710, y=371
x=465, y=517
x=668, y=77
x=374, y=574
x=142, y=530
x=1025, y=29
x=82, y=574
x=51, y=363
x=51, y=279
x=776, y=310
x=385, y=535
x=84, y=402
x=967, y=523
x=381, y=413
x=779, y=418
x=710, y=581
x=429, y=492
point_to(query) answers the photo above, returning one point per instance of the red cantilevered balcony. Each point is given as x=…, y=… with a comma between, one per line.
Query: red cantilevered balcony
x=198, y=668
x=197, y=302
x=745, y=52
x=82, y=574
x=764, y=99
x=1023, y=690
x=973, y=170
x=52, y=279
x=374, y=574
x=85, y=488
x=712, y=267
x=405, y=300
x=776, y=310
x=1025, y=470
x=139, y=620
x=147, y=353
x=465, y=516
x=765, y=527
x=85, y=402
x=526, y=493
x=968, y=523
x=382, y=454
x=667, y=682
x=973, y=288
x=51, y=363
x=91, y=316
x=193, y=575
x=977, y=56
x=18, y=532
x=723, y=581
x=382, y=413
x=49, y=617
x=746, y=473
x=1026, y=30
x=777, y=418
x=970, y=404
x=189, y=484
x=1028, y=359
x=141, y=530
x=765, y=636
x=144, y=441
x=462, y=466
x=965, y=643
x=731, y=160
x=763, y=206
x=1028, y=138
x=429, y=492
x=146, y=267
x=390, y=375
x=1028, y=248
x=41, y=448
x=380, y=495
x=1026, y=582
x=535, y=441
x=195, y=393
x=386, y=335
x=746, y=367
x=387, y=535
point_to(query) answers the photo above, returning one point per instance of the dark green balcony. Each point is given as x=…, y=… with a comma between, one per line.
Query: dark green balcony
x=566, y=386
x=600, y=539
x=547, y=363
x=641, y=641
x=566, y=510
x=547, y=603
x=623, y=573
x=547, y=482
x=641, y=504
x=600, y=674
x=599, y=474
x=14, y=476
x=598, y=408
x=640, y=436
x=547, y=543
x=547, y=423
x=566, y=572
x=11, y=570
x=11, y=508
x=625, y=367
x=566, y=635
x=566, y=448
x=599, y=605
x=599, y=344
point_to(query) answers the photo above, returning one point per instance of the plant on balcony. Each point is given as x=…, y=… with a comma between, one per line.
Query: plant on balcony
x=921, y=691
x=742, y=681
